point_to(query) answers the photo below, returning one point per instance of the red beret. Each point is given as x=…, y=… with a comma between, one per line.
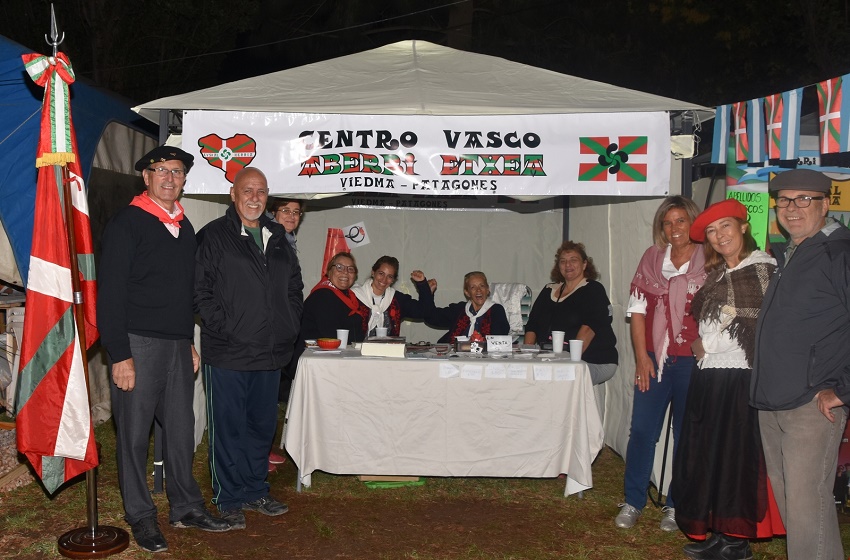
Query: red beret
x=729, y=208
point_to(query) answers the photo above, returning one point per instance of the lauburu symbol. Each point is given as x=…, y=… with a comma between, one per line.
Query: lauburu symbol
x=613, y=159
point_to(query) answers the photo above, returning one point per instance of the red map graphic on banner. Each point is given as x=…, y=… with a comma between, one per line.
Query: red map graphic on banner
x=228, y=154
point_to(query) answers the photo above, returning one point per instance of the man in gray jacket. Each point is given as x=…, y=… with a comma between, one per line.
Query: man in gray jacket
x=801, y=374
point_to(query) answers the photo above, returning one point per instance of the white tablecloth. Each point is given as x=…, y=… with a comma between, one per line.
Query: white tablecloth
x=382, y=416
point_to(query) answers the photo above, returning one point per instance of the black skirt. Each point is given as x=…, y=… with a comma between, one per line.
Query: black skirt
x=719, y=476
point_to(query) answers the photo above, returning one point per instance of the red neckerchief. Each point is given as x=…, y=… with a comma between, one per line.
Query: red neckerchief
x=347, y=297
x=146, y=203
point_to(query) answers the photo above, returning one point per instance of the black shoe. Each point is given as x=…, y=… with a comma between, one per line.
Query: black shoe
x=148, y=536
x=201, y=519
x=267, y=506
x=235, y=517
x=724, y=547
x=697, y=549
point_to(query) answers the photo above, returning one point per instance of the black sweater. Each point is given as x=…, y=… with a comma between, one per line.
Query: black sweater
x=145, y=281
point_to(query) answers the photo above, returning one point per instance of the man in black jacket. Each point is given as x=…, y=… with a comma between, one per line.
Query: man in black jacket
x=801, y=374
x=144, y=312
x=248, y=292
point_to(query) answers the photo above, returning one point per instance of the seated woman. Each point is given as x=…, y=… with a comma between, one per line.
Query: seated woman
x=577, y=304
x=332, y=305
x=387, y=306
x=477, y=314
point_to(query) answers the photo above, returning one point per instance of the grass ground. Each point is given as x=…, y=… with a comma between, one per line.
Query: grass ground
x=339, y=517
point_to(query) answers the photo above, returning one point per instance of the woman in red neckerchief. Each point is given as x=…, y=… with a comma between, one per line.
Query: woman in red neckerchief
x=332, y=305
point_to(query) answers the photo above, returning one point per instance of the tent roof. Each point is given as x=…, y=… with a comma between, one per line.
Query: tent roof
x=418, y=78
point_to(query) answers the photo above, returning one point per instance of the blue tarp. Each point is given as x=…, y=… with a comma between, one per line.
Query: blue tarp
x=20, y=115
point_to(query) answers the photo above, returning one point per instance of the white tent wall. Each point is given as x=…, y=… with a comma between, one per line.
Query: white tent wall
x=616, y=231
x=506, y=246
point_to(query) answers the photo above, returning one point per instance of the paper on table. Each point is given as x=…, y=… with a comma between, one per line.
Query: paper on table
x=565, y=373
x=471, y=372
x=518, y=371
x=542, y=373
x=449, y=370
x=496, y=371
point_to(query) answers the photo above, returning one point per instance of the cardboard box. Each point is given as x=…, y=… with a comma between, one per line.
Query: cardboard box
x=382, y=478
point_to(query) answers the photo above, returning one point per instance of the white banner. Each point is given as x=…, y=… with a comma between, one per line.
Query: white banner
x=511, y=155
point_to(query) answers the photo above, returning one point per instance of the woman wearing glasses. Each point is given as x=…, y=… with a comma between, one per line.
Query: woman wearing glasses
x=287, y=212
x=477, y=314
x=387, y=306
x=332, y=304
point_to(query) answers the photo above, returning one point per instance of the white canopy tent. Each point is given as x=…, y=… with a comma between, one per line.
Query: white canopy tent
x=419, y=78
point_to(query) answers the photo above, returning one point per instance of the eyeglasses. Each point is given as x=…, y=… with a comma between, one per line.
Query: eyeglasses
x=160, y=171
x=799, y=201
x=287, y=212
x=342, y=268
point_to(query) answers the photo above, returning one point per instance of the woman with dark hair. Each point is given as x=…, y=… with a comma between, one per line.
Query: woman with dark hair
x=719, y=473
x=577, y=304
x=287, y=212
x=668, y=276
x=332, y=305
x=387, y=306
x=477, y=314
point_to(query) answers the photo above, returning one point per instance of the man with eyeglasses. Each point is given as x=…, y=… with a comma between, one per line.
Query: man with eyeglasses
x=146, y=322
x=248, y=292
x=801, y=374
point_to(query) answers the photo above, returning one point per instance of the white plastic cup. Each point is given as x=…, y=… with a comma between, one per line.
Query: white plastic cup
x=342, y=335
x=575, y=350
x=557, y=341
x=381, y=331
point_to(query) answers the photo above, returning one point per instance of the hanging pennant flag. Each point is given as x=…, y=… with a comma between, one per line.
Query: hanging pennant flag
x=54, y=426
x=335, y=243
x=782, y=115
x=755, y=131
x=721, y=134
x=834, y=125
x=739, y=131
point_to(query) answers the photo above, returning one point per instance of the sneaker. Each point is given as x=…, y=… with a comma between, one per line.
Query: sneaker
x=267, y=506
x=200, y=518
x=276, y=459
x=235, y=517
x=272, y=467
x=668, y=520
x=148, y=535
x=627, y=517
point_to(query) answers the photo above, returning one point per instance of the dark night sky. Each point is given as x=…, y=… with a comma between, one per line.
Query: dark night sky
x=704, y=51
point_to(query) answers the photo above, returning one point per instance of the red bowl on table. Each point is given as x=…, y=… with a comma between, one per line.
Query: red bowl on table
x=328, y=343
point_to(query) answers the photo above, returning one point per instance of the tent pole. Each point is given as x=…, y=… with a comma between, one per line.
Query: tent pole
x=687, y=163
x=565, y=205
x=158, y=463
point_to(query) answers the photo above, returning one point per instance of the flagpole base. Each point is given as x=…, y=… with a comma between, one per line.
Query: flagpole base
x=102, y=542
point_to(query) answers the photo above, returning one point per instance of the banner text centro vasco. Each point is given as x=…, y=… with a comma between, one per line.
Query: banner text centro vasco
x=508, y=155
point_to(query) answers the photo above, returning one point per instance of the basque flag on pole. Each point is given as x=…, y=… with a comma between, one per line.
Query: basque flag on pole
x=782, y=116
x=54, y=426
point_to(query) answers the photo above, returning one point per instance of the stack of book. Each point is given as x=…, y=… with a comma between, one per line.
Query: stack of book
x=385, y=346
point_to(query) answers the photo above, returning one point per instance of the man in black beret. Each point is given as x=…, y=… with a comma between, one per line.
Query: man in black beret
x=144, y=313
x=801, y=375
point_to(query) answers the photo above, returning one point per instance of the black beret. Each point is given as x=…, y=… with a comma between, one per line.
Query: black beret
x=165, y=153
x=801, y=180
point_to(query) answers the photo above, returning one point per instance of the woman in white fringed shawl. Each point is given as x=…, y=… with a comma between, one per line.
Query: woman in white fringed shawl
x=388, y=306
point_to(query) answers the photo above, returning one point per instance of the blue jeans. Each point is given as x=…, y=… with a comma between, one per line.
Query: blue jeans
x=647, y=422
